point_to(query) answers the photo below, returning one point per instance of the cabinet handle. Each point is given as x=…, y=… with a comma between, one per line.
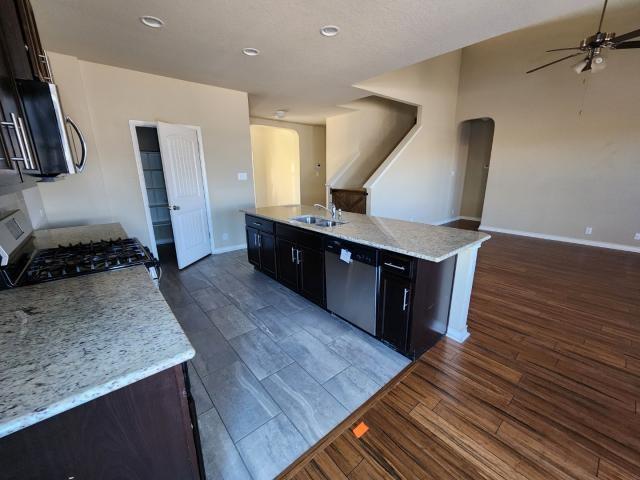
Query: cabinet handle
x=298, y=260
x=404, y=300
x=44, y=58
x=293, y=255
x=394, y=266
x=23, y=131
x=16, y=123
x=259, y=239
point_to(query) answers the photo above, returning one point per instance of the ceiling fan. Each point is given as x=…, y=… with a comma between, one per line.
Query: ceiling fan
x=593, y=45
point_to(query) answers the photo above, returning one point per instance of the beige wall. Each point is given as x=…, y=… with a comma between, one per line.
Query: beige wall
x=566, y=149
x=276, y=165
x=417, y=183
x=359, y=141
x=480, y=136
x=104, y=99
x=312, y=140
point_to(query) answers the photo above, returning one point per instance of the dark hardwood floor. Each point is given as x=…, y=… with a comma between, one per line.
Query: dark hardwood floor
x=547, y=386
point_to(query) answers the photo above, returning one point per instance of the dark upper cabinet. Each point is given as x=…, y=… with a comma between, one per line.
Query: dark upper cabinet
x=26, y=56
x=395, y=304
x=261, y=245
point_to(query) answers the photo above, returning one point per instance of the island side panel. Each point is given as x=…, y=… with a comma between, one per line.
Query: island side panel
x=461, y=294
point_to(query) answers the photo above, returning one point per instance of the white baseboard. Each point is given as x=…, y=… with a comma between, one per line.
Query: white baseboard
x=458, y=335
x=453, y=219
x=446, y=220
x=558, y=238
x=231, y=248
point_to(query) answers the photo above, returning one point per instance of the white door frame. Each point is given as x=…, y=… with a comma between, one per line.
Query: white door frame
x=143, y=187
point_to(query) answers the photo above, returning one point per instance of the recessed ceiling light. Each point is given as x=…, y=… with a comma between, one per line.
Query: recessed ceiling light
x=251, y=52
x=280, y=113
x=153, y=22
x=329, y=30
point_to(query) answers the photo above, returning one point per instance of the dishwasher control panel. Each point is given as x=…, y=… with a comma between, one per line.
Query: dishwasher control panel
x=359, y=253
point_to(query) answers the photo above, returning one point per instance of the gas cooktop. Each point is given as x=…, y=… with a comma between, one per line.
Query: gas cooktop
x=85, y=258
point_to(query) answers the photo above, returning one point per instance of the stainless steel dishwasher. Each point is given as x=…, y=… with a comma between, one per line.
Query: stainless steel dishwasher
x=352, y=285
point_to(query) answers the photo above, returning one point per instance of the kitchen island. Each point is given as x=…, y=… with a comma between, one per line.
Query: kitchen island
x=404, y=248
x=92, y=373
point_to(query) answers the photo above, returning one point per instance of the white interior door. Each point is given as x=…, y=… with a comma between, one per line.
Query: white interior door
x=185, y=191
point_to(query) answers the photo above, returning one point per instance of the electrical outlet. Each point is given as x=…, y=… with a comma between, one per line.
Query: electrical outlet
x=242, y=176
x=588, y=231
x=636, y=236
x=225, y=236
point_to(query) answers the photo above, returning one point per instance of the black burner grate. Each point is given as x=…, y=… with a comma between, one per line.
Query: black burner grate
x=85, y=258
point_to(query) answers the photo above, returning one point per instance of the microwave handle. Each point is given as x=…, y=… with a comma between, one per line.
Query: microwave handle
x=83, y=145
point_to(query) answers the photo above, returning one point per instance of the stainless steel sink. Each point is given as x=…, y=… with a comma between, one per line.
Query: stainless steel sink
x=319, y=221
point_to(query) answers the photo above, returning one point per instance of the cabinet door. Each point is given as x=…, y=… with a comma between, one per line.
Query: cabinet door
x=312, y=274
x=16, y=46
x=253, y=246
x=267, y=253
x=395, y=298
x=31, y=38
x=287, y=263
x=9, y=142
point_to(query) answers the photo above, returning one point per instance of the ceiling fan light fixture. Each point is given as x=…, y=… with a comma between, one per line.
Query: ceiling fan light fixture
x=598, y=64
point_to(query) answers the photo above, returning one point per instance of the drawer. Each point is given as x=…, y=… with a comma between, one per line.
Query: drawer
x=397, y=264
x=299, y=236
x=259, y=223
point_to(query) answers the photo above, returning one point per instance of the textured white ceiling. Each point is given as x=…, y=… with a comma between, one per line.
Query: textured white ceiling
x=298, y=69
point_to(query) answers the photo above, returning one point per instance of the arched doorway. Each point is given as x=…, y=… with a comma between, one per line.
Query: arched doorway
x=276, y=165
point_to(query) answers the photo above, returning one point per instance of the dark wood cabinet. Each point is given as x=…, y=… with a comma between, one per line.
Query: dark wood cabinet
x=26, y=56
x=267, y=244
x=311, y=274
x=395, y=305
x=415, y=296
x=287, y=263
x=141, y=431
x=261, y=245
x=21, y=58
x=253, y=247
x=300, y=259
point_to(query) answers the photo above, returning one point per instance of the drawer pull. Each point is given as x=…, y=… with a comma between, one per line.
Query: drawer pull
x=394, y=266
x=258, y=224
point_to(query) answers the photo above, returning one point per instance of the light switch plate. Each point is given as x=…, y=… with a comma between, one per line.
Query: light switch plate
x=636, y=236
x=242, y=176
x=588, y=231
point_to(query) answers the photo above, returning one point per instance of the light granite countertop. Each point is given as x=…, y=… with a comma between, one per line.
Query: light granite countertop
x=419, y=240
x=66, y=342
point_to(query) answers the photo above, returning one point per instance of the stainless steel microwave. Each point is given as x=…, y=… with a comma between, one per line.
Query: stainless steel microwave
x=58, y=151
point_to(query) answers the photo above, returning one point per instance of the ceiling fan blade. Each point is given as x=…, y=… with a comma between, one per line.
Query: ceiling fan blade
x=562, y=49
x=554, y=62
x=624, y=45
x=626, y=36
x=604, y=8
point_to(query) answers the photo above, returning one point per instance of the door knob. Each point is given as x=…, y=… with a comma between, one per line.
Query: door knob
x=174, y=207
